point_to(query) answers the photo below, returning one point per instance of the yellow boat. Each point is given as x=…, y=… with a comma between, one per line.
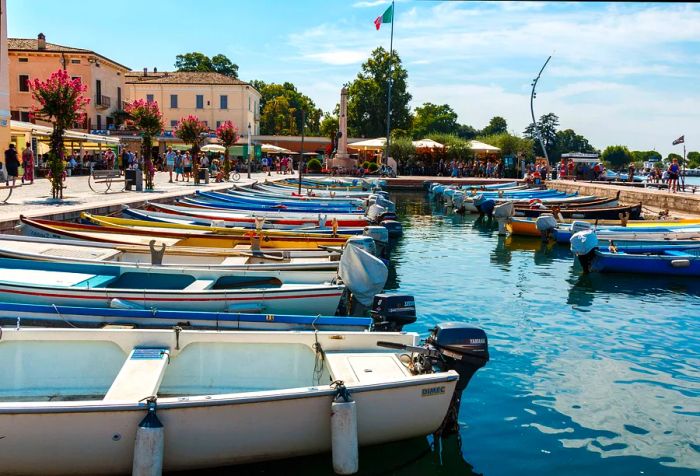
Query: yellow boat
x=527, y=227
x=171, y=236
x=102, y=220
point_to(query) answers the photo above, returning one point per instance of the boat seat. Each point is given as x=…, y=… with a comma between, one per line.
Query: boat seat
x=199, y=285
x=96, y=281
x=140, y=376
x=370, y=367
x=235, y=260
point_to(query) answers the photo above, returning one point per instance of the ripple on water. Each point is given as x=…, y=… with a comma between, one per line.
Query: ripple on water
x=595, y=365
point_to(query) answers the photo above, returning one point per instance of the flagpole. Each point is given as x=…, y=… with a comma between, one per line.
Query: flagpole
x=388, y=99
x=683, y=176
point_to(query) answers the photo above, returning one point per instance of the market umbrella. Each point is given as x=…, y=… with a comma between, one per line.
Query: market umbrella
x=427, y=144
x=273, y=149
x=214, y=148
x=477, y=146
x=369, y=144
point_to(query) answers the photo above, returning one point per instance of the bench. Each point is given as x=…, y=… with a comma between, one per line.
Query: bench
x=103, y=180
x=370, y=367
x=9, y=189
x=140, y=376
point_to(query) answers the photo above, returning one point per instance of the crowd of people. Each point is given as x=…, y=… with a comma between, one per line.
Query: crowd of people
x=491, y=168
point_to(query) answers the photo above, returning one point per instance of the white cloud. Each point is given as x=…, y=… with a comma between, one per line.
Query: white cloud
x=339, y=57
x=371, y=3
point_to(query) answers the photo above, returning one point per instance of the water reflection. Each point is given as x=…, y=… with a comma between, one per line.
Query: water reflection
x=411, y=457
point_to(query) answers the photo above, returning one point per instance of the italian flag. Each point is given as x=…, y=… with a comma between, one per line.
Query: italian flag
x=386, y=17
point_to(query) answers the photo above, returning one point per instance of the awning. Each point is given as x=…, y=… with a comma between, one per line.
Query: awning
x=427, y=144
x=273, y=149
x=37, y=130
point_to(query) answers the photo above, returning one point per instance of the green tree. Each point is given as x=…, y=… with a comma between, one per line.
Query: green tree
x=673, y=155
x=199, y=62
x=548, y=129
x=367, y=96
x=568, y=141
x=329, y=125
x=693, y=159
x=296, y=101
x=497, y=125
x=402, y=150
x=639, y=156
x=616, y=156
x=146, y=118
x=278, y=117
x=509, y=144
x=467, y=132
x=431, y=118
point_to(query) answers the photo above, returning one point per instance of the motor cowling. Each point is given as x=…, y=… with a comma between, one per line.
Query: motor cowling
x=378, y=233
x=394, y=227
x=365, y=243
x=391, y=312
x=463, y=349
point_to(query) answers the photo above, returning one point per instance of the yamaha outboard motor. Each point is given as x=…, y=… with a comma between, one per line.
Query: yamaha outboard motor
x=391, y=312
x=583, y=245
x=450, y=346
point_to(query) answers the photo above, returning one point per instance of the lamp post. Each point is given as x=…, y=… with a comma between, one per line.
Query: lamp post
x=249, y=150
x=533, y=94
x=301, y=154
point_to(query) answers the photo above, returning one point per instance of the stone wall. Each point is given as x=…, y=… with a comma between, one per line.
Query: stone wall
x=629, y=195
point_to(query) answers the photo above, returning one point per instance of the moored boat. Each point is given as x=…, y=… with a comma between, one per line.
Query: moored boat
x=221, y=398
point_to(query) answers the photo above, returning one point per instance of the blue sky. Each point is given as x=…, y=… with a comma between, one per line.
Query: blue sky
x=622, y=73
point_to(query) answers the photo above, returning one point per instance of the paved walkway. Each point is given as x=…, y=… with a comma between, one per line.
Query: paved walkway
x=35, y=200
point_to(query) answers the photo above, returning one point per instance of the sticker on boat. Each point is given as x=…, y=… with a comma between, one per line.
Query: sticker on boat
x=432, y=391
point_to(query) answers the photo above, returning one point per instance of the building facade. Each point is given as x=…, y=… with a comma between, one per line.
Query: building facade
x=212, y=97
x=36, y=58
x=4, y=81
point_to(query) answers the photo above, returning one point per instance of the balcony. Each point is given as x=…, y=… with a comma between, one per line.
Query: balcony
x=102, y=102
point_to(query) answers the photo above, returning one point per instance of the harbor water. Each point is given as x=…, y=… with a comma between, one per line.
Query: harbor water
x=589, y=375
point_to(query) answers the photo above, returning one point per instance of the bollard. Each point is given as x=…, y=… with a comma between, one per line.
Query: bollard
x=346, y=458
x=149, y=444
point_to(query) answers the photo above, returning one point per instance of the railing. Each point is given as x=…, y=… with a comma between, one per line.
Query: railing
x=103, y=101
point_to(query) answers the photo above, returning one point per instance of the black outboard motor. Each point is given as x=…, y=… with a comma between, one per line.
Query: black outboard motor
x=393, y=226
x=450, y=346
x=391, y=312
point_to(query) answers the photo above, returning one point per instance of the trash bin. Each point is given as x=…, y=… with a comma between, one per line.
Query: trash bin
x=203, y=175
x=133, y=178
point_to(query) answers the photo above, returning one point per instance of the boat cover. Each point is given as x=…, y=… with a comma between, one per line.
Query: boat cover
x=364, y=274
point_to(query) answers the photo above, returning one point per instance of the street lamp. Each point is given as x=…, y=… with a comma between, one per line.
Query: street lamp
x=249, y=150
x=533, y=94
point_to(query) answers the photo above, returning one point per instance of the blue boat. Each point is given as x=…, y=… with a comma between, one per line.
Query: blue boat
x=683, y=262
x=222, y=201
x=32, y=314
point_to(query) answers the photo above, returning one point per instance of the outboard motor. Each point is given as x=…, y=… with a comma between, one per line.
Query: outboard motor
x=394, y=227
x=486, y=208
x=579, y=225
x=583, y=245
x=391, y=312
x=503, y=213
x=380, y=235
x=545, y=223
x=363, y=242
x=450, y=346
x=388, y=204
x=383, y=193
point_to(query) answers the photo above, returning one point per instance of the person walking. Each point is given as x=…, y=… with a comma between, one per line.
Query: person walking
x=125, y=159
x=11, y=165
x=179, y=167
x=187, y=166
x=28, y=165
x=170, y=163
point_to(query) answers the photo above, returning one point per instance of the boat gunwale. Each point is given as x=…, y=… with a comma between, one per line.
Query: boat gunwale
x=222, y=399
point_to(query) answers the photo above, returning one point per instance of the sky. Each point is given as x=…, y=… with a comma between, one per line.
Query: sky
x=621, y=73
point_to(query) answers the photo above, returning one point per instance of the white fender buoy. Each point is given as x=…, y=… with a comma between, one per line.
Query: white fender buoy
x=149, y=444
x=344, y=446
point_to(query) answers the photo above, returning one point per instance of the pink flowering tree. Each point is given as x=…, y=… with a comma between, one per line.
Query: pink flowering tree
x=228, y=134
x=146, y=118
x=62, y=103
x=191, y=131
